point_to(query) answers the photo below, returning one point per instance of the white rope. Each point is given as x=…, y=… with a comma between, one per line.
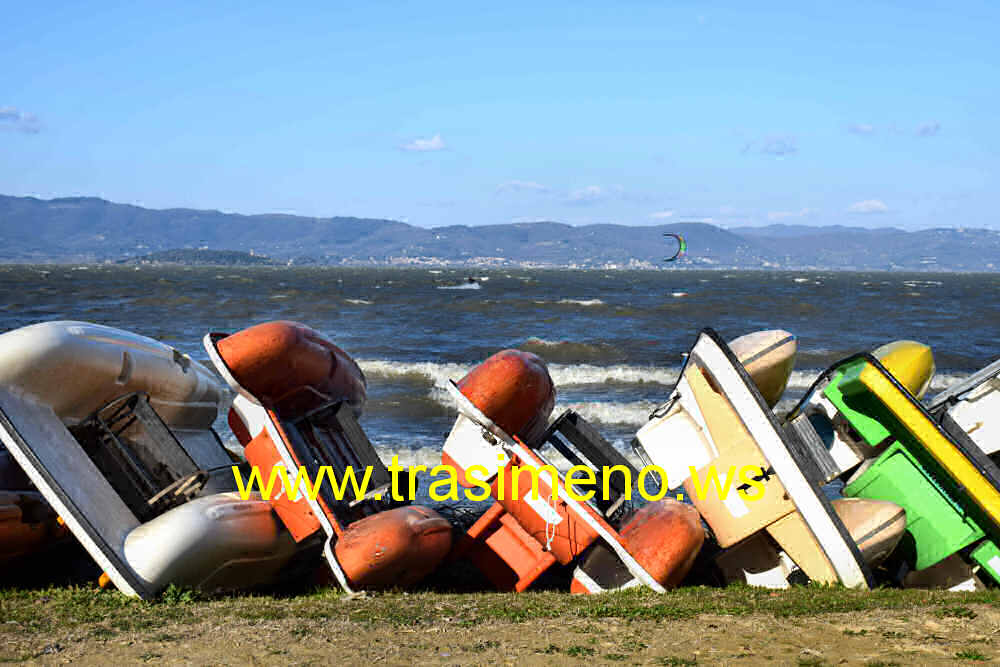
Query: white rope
x=549, y=538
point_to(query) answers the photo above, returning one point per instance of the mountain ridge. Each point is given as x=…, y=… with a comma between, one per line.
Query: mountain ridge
x=91, y=229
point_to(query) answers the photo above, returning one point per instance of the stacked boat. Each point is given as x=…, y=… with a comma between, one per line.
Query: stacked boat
x=109, y=439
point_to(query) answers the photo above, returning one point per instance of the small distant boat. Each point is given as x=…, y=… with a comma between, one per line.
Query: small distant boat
x=470, y=283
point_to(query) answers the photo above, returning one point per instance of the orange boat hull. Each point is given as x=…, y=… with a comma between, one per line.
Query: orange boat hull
x=292, y=367
x=22, y=533
x=664, y=537
x=395, y=548
x=513, y=388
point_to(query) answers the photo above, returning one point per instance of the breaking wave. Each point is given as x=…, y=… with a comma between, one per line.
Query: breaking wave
x=562, y=374
x=582, y=302
x=633, y=414
x=568, y=375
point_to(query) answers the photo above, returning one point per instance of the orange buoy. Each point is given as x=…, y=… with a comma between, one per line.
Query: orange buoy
x=398, y=547
x=664, y=537
x=512, y=388
x=292, y=367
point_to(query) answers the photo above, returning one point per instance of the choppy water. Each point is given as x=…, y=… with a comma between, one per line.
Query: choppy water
x=614, y=340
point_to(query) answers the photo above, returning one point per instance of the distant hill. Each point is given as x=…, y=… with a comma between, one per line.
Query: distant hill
x=201, y=256
x=88, y=229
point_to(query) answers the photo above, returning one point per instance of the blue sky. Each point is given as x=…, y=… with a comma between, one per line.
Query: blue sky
x=870, y=114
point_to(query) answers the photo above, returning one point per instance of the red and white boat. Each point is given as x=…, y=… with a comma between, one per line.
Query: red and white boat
x=298, y=399
x=504, y=404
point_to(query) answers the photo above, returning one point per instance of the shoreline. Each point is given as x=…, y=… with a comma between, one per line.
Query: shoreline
x=802, y=625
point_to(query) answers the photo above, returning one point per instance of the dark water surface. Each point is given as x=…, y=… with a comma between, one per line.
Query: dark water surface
x=613, y=339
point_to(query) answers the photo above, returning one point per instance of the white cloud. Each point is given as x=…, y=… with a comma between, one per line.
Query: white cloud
x=12, y=118
x=861, y=128
x=868, y=206
x=522, y=186
x=588, y=195
x=929, y=129
x=775, y=216
x=661, y=215
x=435, y=143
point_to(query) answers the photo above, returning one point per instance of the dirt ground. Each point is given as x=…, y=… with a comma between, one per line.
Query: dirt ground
x=400, y=629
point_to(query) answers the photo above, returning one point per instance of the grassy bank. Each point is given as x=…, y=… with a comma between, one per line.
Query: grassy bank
x=684, y=626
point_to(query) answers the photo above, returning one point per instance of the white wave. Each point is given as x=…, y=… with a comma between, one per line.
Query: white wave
x=360, y=302
x=437, y=373
x=576, y=374
x=801, y=280
x=678, y=294
x=429, y=456
x=633, y=413
x=569, y=375
x=462, y=286
x=803, y=379
x=582, y=302
x=542, y=342
x=945, y=379
x=562, y=374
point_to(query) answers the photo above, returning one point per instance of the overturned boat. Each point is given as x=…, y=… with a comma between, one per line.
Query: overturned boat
x=885, y=445
x=756, y=483
x=973, y=406
x=298, y=399
x=114, y=430
x=497, y=445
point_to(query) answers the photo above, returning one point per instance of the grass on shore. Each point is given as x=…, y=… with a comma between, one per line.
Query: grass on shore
x=108, y=613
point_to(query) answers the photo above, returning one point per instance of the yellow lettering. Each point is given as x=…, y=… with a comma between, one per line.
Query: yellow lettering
x=359, y=492
x=481, y=483
x=451, y=481
x=747, y=476
x=664, y=484
x=712, y=477
x=624, y=470
x=265, y=491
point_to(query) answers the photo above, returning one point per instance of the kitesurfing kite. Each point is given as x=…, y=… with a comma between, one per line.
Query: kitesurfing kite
x=682, y=247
